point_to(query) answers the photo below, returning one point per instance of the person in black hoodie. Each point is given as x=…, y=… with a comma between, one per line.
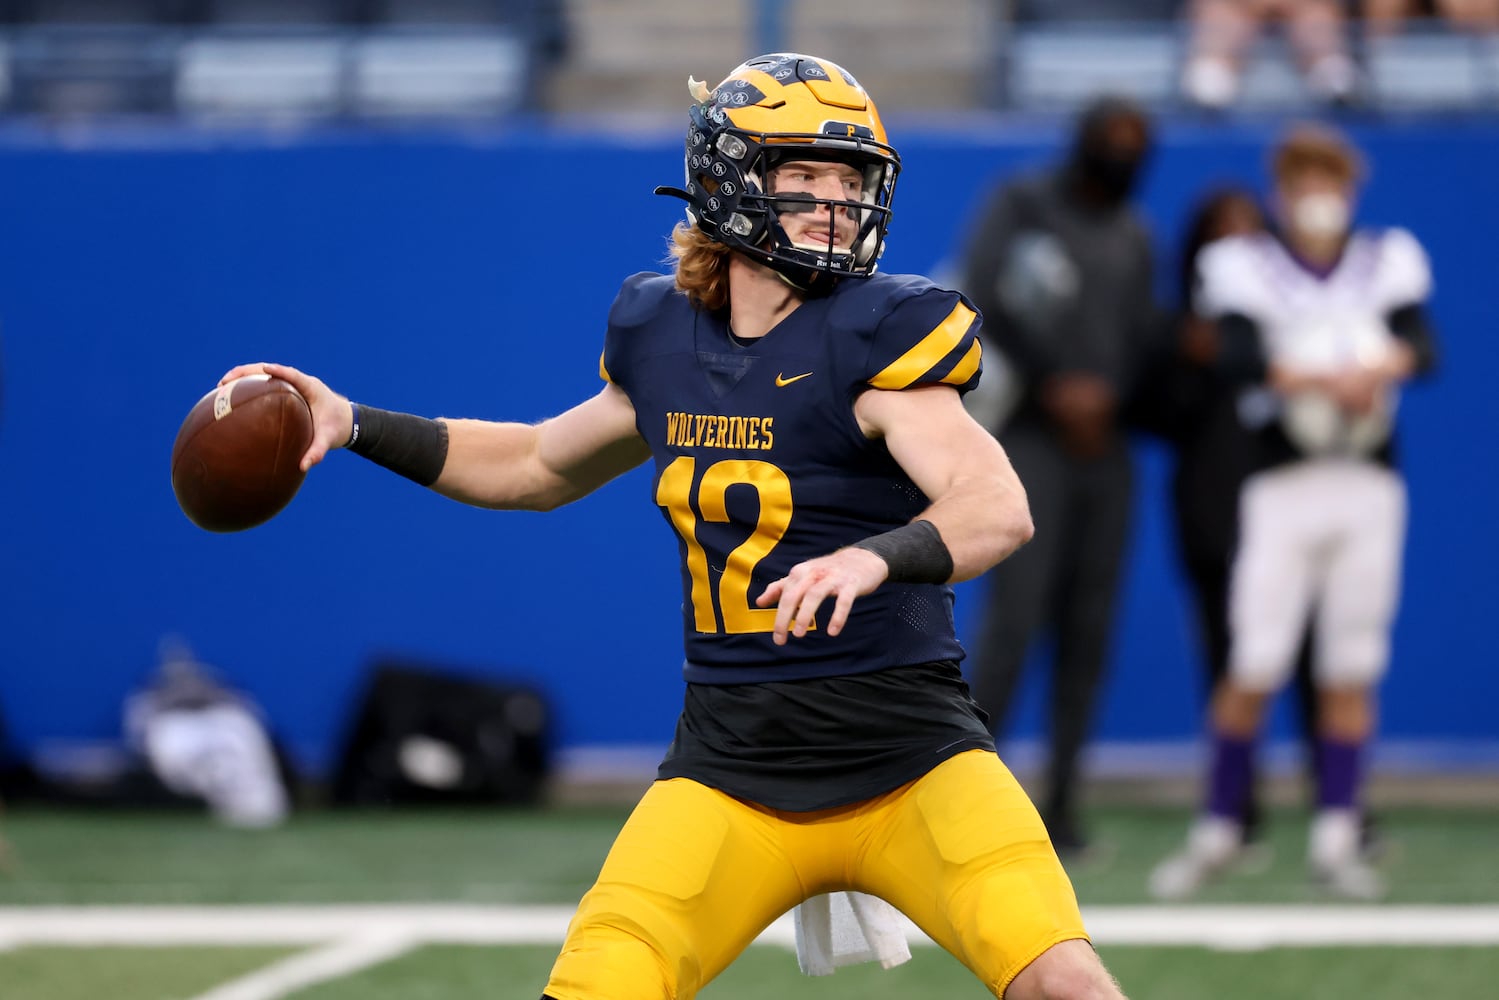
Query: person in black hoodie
x=1060, y=266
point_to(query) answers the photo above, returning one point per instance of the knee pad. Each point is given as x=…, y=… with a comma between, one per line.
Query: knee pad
x=606, y=962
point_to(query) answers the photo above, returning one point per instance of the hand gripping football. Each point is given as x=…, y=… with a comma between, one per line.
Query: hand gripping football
x=236, y=460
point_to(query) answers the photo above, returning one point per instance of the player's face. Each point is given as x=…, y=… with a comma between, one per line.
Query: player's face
x=1315, y=205
x=815, y=227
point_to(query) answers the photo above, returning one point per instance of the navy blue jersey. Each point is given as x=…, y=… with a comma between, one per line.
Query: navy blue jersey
x=760, y=463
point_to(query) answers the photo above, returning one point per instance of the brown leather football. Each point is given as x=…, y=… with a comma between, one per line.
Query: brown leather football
x=236, y=460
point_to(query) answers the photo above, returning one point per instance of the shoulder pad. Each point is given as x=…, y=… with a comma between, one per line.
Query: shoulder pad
x=640, y=298
x=915, y=333
x=1405, y=270
x=1228, y=275
x=860, y=303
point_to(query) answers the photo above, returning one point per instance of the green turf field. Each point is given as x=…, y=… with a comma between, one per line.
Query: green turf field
x=1437, y=858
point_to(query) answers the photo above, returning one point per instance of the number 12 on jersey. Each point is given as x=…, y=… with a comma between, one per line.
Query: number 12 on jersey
x=675, y=491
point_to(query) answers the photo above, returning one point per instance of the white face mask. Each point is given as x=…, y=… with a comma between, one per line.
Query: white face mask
x=1322, y=216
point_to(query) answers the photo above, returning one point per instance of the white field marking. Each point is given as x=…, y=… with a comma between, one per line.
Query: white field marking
x=1229, y=927
x=300, y=971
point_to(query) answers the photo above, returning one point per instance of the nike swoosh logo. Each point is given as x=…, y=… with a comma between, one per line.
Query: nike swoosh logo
x=782, y=380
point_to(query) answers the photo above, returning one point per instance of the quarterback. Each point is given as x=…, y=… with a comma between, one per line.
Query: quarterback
x=823, y=485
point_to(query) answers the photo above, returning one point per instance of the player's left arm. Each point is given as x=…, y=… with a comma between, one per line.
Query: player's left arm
x=978, y=505
x=1406, y=284
x=1415, y=341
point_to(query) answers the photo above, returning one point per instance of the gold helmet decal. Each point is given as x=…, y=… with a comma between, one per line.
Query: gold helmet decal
x=798, y=94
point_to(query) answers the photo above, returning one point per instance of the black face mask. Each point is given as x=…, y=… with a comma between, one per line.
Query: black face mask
x=1110, y=174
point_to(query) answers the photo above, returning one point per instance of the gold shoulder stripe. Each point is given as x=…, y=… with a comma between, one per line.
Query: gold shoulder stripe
x=965, y=368
x=604, y=372
x=931, y=349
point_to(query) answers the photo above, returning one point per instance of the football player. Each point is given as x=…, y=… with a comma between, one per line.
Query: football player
x=823, y=485
x=1325, y=322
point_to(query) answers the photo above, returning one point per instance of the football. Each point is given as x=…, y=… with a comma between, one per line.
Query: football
x=236, y=460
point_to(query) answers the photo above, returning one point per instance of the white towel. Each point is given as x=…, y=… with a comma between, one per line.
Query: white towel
x=846, y=928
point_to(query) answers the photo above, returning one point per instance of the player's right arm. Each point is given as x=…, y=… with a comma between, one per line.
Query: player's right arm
x=510, y=466
x=542, y=466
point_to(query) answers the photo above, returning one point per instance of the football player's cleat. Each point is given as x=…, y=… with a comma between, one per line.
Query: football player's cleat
x=772, y=109
x=1349, y=878
x=1213, y=846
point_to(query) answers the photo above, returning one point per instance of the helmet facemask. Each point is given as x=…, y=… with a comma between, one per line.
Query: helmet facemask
x=870, y=213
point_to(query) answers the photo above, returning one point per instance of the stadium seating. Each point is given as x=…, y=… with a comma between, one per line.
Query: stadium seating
x=278, y=59
x=1429, y=71
x=228, y=76
x=396, y=73
x=386, y=59
x=1060, y=67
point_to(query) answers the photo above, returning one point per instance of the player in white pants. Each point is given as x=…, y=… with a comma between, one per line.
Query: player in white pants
x=1324, y=322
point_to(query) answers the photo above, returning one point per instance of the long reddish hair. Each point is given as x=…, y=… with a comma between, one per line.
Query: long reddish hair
x=702, y=267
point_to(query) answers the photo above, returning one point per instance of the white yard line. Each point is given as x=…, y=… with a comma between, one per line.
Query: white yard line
x=1235, y=927
x=300, y=971
x=189, y=925
x=346, y=939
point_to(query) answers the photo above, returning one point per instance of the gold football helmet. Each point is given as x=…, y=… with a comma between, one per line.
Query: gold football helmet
x=774, y=108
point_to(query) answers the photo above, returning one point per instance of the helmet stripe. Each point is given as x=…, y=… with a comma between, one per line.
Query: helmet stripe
x=839, y=88
x=773, y=89
x=928, y=351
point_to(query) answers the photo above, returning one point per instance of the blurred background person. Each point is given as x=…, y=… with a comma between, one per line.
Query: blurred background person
x=1390, y=17
x=1190, y=401
x=1224, y=32
x=1060, y=267
x=1212, y=449
x=1324, y=322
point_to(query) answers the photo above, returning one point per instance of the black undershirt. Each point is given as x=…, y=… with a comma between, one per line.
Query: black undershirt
x=816, y=744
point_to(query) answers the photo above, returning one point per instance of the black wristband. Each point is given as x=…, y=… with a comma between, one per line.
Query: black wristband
x=411, y=446
x=915, y=553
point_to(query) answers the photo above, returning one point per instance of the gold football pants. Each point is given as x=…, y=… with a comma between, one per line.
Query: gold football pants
x=696, y=875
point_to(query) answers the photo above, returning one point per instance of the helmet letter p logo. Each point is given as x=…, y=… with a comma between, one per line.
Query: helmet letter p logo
x=847, y=130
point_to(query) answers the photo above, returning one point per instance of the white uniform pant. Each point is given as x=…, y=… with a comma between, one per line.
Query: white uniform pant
x=1323, y=536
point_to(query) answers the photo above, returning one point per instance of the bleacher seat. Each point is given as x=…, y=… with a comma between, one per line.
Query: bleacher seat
x=1271, y=80
x=1488, y=58
x=1093, y=11
x=277, y=13
x=93, y=11
x=1427, y=71
x=72, y=70
x=239, y=75
x=397, y=74
x=444, y=11
x=1062, y=68
x=5, y=73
